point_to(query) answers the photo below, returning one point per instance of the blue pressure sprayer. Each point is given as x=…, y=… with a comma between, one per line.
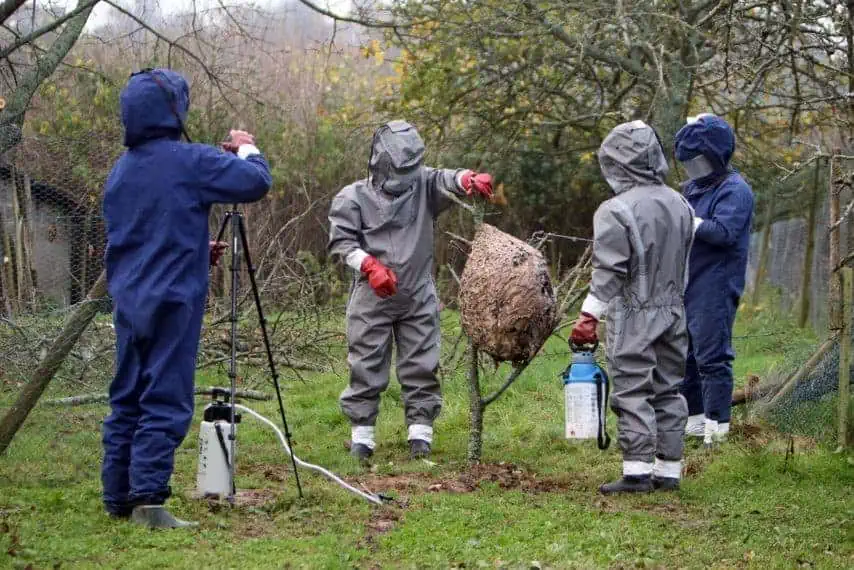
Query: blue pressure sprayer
x=586, y=388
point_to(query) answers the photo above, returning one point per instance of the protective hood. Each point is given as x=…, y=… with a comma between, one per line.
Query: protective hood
x=397, y=156
x=709, y=136
x=151, y=103
x=631, y=155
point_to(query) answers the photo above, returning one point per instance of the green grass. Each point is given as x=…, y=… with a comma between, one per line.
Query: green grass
x=745, y=506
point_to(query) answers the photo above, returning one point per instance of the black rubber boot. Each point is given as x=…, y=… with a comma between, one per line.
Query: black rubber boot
x=665, y=483
x=156, y=516
x=418, y=448
x=361, y=452
x=628, y=484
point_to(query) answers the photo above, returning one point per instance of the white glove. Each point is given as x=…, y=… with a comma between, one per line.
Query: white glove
x=697, y=222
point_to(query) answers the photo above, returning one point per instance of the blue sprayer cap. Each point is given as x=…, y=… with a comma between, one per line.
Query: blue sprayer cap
x=583, y=369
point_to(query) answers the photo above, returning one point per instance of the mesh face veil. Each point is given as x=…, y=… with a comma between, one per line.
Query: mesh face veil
x=698, y=167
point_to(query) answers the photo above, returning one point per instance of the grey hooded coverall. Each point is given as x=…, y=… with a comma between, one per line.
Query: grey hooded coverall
x=390, y=216
x=642, y=238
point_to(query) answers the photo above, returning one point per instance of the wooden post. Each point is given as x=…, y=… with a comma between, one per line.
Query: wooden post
x=763, y=252
x=835, y=294
x=29, y=242
x=20, y=273
x=809, y=254
x=847, y=278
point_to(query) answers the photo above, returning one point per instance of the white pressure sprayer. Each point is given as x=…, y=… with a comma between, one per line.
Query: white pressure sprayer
x=214, y=472
x=213, y=478
x=585, y=387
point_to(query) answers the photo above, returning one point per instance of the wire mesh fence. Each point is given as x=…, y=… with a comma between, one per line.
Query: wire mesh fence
x=53, y=239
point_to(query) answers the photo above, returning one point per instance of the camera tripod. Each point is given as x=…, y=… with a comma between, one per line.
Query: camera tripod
x=238, y=245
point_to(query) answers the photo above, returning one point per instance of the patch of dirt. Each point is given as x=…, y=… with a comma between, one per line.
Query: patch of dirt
x=246, y=499
x=757, y=437
x=381, y=521
x=506, y=475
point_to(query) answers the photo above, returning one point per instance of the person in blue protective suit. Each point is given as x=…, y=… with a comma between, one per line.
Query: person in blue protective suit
x=723, y=207
x=156, y=205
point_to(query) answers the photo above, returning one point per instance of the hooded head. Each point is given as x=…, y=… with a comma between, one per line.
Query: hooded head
x=152, y=103
x=397, y=155
x=704, y=146
x=631, y=155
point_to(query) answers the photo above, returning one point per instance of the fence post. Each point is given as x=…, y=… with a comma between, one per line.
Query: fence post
x=806, y=279
x=847, y=277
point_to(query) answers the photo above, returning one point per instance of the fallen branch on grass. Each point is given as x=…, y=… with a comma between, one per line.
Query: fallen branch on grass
x=53, y=359
x=802, y=372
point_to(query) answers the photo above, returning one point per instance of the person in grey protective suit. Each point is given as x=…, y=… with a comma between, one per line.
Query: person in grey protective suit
x=641, y=241
x=382, y=228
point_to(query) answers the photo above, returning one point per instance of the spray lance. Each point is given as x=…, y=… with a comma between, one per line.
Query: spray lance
x=215, y=469
x=585, y=389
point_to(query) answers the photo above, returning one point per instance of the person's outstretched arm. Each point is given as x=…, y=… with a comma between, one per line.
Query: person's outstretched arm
x=236, y=177
x=460, y=183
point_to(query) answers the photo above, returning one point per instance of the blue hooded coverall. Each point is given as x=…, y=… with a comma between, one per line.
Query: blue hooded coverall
x=717, y=268
x=156, y=206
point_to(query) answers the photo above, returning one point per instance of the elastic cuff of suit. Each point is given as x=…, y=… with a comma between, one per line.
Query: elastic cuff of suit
x=355, y=258
x=637, y=468
x=594, y=307
x=422, y=432
x=363, y=435
x=664, y=469
x=247, y=150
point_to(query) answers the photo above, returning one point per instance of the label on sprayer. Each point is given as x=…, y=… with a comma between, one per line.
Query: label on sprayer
x=582, y=414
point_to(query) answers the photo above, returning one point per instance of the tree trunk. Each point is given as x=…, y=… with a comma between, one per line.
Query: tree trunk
x=763, y=253
x=18, y=101
x=846, y=275
x=809, y=254
x=47, y=368
x=476, y=407
x=834, y=298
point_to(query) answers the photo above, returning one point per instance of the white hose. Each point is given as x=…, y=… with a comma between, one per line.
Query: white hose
x=328, y=474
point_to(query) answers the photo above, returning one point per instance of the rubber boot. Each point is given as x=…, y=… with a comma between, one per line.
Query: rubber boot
x=695, y=427
x=156, y=517
x=710, y=433
x=628, y=484
x=721, y=435
x=418, y=448
x=665, y=483
x=361, y=452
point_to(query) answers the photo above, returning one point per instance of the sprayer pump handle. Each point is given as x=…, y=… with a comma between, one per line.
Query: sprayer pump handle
x=586, y=347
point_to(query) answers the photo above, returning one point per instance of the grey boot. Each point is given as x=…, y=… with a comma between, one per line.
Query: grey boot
x=665, y=483
x=361, y=452
x=156, y=516
x=628, y=484
x=418, y=448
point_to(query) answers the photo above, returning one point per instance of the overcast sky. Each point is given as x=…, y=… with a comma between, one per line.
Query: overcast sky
x=102, y=11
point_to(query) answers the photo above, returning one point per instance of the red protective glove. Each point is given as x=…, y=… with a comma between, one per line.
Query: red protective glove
x=584, y=330
x=237, y=138
x=381, y=279
x=477, y=182
x=217, y=249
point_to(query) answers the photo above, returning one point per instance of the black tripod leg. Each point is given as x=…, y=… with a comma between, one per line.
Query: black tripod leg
x=232, y=372
x=222, y=226
x=263, y=321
